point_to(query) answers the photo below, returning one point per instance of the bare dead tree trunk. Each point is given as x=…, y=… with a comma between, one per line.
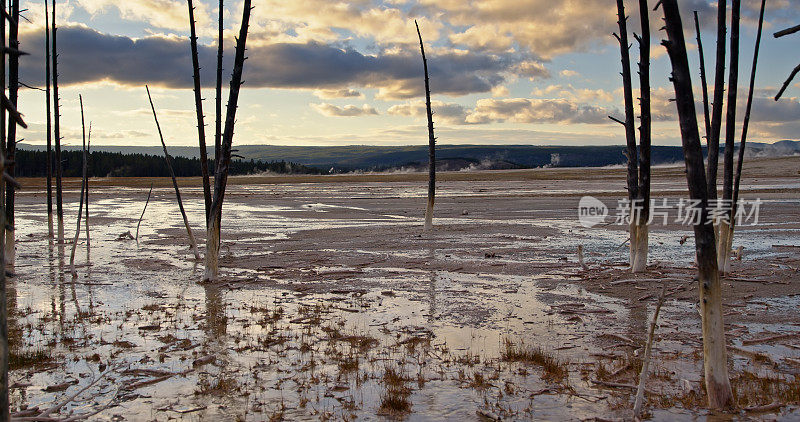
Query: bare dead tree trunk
x=13, y=96
x=198, y=104
x=218, y=115
x=630, y=130
x=648, y=351
x=703, y=80
x=57, y=134
x=224, y=159
x=431, y=140
x=639, y=262
x=143, y=210
x=86, y=182
x=80, y=204
x=218, y=120
x=49, y=125
x=168, y=159
x=724, y=240
x=716, y=106
x=5, y=404
x=745, y=127
x=715, y=361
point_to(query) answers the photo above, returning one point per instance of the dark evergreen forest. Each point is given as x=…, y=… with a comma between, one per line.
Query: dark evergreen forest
x=113, y=164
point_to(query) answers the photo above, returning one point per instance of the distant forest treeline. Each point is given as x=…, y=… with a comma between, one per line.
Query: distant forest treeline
x=114, y=164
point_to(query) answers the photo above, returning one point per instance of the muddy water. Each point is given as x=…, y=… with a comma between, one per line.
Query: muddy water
x=314, y=342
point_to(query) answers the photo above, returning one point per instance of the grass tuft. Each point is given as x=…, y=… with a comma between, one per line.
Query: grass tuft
x=554, y=369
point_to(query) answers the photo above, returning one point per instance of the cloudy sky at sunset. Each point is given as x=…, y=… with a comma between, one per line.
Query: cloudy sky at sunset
x=323, y=72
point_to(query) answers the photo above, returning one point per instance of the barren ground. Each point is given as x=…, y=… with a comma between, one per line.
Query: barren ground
x=335, y=304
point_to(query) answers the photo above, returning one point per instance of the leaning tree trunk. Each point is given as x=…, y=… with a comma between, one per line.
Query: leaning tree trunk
x=198, y=105
x=715, y=362
x=57, y=134
x=716, y=106
x=724, y=240
x=168, y=159
x=630, y=131
x=745, y=127
x=13, y=96
x=639, y=262
x=49, y=124
x=703, y=80
x=224, y=159
x=80, y=204
x=431, y=140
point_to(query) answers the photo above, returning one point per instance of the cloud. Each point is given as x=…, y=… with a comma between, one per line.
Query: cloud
x=169, y=14
x=327, y=94
x=331, y=110
x=444, y=112
x=532, y=70
x=86, y=56
x=524, y=110
x=567, y=73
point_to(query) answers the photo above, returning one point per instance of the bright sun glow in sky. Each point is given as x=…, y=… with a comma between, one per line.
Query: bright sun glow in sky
x=323, y=72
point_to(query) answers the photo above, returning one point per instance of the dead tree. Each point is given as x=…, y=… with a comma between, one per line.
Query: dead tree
x=703, y=80
x=431, y=139
x=198, y=104
x=80, y=204
x=745, y=127
x=86, y=182
x=143, y=210
x=639, y=263
x=5, y=404
x=794, y=72
x=11, y=142
x=168, y=159
x=716, y=106
x=715, y=367
x=13, y=117
x=57, y=134
x=218, y=111
x=638, y=179
x=724, y=240
x=224, y=159
x=49, y=124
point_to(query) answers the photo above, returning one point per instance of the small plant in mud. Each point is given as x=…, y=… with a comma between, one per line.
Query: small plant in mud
x=479, y=381
x=394, y=399
x=28, y=358
x=554, y=369
x=217, y=387
x=751, y=389
x=467, y=359
x=348, y=364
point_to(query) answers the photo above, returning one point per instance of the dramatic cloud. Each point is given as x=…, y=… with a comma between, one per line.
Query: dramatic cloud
x=86, y=55
x=347, y=111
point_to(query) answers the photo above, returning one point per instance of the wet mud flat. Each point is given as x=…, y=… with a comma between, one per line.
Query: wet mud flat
x=336, y=306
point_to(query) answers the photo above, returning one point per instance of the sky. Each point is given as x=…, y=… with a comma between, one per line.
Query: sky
x=322, y=72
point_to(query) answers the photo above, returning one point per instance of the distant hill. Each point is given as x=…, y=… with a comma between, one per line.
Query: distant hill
x=449, y=157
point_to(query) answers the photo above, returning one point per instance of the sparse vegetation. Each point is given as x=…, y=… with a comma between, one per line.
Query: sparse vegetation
x=554, y=369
